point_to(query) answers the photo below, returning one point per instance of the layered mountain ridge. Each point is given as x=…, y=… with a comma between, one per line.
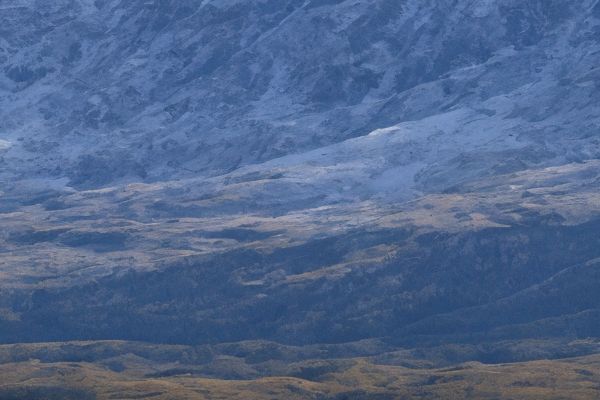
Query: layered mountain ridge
x=412, y=181
x=103, y=91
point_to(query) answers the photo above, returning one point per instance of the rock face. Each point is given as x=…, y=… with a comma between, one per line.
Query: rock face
x=302, y=171
x=105, y=91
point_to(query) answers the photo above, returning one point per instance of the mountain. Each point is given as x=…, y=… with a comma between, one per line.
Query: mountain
x=412, y=182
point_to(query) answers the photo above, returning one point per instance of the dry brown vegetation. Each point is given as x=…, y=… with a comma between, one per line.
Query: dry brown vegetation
x=357, y=378
x=81, y=236
x=577, y=378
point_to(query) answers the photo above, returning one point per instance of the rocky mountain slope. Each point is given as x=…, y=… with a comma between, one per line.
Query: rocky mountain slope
x=423, y=175
x=104, y=91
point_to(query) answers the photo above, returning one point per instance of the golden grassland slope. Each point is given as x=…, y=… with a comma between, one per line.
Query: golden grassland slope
x=576, y=378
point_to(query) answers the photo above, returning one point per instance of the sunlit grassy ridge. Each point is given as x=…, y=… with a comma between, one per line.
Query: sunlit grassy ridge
x=576, y=378
x=128, y=370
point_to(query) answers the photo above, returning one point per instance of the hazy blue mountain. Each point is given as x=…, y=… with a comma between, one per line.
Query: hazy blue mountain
x=424, y=174
x=105, y=91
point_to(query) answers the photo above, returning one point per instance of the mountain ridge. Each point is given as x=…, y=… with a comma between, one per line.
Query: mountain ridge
x=335, y=199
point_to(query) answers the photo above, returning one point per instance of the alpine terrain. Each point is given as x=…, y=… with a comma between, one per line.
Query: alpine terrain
x=299, y=199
